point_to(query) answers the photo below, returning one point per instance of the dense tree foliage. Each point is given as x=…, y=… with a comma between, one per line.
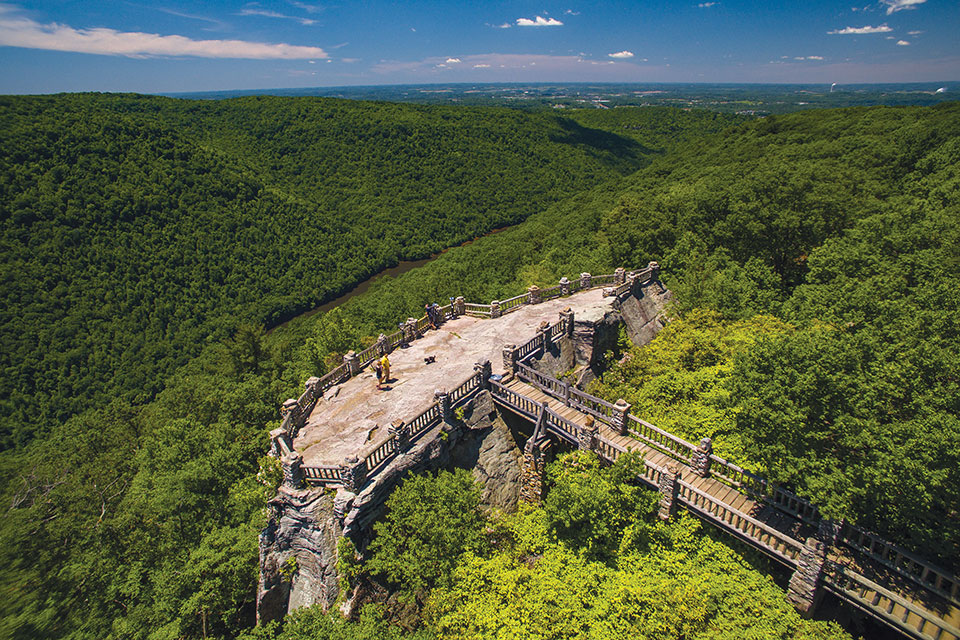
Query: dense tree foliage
x=813, y=257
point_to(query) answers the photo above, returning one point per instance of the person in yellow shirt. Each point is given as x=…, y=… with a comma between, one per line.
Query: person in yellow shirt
x=385, y=367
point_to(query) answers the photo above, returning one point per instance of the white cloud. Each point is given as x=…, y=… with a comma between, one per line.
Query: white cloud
x=28, y=34
x=539, y=21
x=453, y=60
x=707, y=5
x=481, y=66
x=309, y=8
x=899, y=5
x=252, y=10
x=814, y=57
x=903, y=43
x=505, y=25
x=861, y=30
x=621, y=54
x=914, y=33
x=571, y=12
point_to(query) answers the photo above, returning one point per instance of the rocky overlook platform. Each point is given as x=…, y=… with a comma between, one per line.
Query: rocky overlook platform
x=355, y=413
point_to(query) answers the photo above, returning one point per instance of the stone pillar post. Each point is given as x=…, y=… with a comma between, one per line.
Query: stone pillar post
x=585, y=280
x=701, y=458
x=510, y=358
x=618, y=416
x=495, y=309
x=669, y=491
x=484, y=369
x=383, y=345
x=533, y=294
x=564, y=286
x=354, y=473
x=443, y=400
x=532, y=467
x=619, y=276
x=290, y=413
x=410, y=330
x=292, y=470
x=566, y=393
x=804, y=590
x=544, y=331
x=353, y=364
x=459, y=306
x=278, y=438
x=828, y=531
x=586, y=437
x=401, y=432
x=654, y=271
x=632, y=280
x=312, y=385
x=567, y=317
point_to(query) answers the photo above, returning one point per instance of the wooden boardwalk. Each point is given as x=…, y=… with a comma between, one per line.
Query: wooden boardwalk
x=863, y=581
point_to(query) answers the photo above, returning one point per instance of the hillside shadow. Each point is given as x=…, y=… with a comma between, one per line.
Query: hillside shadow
x=609, y=148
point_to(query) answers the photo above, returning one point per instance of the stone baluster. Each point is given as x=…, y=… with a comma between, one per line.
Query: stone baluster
x=700, y=461
x=619, y=276
x=804, y=590
x=443, y=401
x=495, y=309
x=383, y=345
x=459, y=306
x=401, y=432
x=586, y=280
x=618, y=416
x=292, y=470
x=669, y=491
x=566, y=316
x=484, y=369
x=587, y=436
x=564, y=286
x=533, y=294
x=354, y=473
x=352, y=363
x=410, y=330
x=510, y=358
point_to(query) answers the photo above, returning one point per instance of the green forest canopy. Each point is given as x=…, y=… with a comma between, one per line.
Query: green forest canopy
x=135, y=518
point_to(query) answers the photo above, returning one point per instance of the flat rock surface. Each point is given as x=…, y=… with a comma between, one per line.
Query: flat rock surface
x=355, y=415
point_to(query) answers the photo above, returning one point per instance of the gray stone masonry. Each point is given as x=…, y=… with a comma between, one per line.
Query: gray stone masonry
x=383, y=345
x=353, y=364
x=311, y=386
x=586, y=437
x=654, y=271
x=292, y=470
x=619, y=276
x=354, y=472
x=443, y=400
x=459, y=306
x=495, y=309
x=533, y=294
x=564, y=286
x=532, y=467
x=804, y=590
x=585, y=280
x=828, y=531
x=510, y=358
x=401, y=431
x=669, y=490
x=566, y=316
x=700, y=461
x=410, y=332
x=291, y=407
x=544, y=331
x=484, y=369
x=618, y=416
x=276, y=437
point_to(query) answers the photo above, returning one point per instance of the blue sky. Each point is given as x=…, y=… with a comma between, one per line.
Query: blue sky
x=184, y=45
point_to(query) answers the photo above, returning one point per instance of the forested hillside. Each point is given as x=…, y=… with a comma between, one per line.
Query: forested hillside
x=814, y=257
x=135, y=229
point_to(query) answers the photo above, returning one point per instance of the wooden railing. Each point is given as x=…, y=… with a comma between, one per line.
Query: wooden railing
x=513, y=303
x=890, y=607
x=323, y=475
x=657, y=438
